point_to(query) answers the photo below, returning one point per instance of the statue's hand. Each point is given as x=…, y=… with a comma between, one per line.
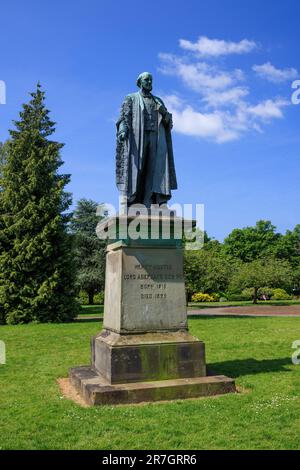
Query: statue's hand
x=121, y=137
x=167, y=120
x=162, y=110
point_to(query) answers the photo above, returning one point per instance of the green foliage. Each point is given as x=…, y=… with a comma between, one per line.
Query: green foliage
x=207, y=270
x=3, y=152
x=262, y=241
x=242, y=297
x=281, y=294
x=288, y=247
x=245, y=295
x=250, y=243
x=3, y=149
x=89, y=249
x=296, y=280
x=99, y=298
x=36, y=266
x=260, y=272
x=200, y=297
x=216, y=296
x=266, y=292
x=83, y=298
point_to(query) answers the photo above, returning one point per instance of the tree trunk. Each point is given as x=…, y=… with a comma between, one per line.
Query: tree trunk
x=255, y=295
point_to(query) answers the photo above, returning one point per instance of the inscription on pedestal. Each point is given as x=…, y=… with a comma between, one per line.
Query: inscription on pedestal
x=153, y=280
x=152, y=285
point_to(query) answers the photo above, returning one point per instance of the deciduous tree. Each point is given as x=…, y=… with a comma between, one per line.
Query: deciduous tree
x=250, y=243
x=262, y=272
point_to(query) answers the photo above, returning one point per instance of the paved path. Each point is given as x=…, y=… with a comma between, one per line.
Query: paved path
x=249, y=311
x=253, y=311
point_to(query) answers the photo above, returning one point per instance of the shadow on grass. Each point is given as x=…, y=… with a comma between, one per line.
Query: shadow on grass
x=240, y=367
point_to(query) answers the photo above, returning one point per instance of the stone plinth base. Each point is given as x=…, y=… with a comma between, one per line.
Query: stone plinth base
x=149, y=356
x=145, y=352
x=97, y=391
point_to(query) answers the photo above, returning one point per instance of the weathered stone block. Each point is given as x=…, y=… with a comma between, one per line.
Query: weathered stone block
x=145, y=357
x=97, y=391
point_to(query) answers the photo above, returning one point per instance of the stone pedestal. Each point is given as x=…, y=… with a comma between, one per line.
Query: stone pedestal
x=149, y=356
x=145, y=292
x=145, y=351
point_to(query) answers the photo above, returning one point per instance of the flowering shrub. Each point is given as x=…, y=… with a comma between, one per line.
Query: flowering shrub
x=200, y=297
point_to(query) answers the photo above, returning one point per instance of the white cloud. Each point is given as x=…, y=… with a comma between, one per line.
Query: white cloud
x=230, y=97
x=199, y=75
x=221, y=109
x=173, y=101
x=272, y=74
x=222, y=125
x=269, y=109
x=206, y=47
x=190, y=122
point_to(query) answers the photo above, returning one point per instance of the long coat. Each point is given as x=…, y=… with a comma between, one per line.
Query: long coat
x=129, y=156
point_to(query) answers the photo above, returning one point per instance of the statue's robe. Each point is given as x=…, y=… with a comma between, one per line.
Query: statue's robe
x=130, y=153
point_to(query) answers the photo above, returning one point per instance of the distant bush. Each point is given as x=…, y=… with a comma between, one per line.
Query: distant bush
x=264, y=293
x=247, y=294
x=280, y=294
x=200, y=297
x=239, y=297
x=83, y=298
x=215, y=296
x=222, y=297
x=99, y=298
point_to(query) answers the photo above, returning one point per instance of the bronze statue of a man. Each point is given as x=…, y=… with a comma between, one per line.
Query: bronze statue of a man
x=145, y=170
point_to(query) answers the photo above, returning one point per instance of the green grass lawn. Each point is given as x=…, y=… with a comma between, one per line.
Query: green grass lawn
x=256, y=351
x=91, y=310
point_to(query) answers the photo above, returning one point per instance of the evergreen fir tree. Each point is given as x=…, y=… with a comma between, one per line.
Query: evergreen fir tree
x=89, y=250
x=36, y=267
x=2, y=160
x=3, y=149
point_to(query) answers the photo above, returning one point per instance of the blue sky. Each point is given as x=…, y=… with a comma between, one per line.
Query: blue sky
x=224, y=68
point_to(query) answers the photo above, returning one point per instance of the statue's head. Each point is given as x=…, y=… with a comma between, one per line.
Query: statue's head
x=144, y=81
